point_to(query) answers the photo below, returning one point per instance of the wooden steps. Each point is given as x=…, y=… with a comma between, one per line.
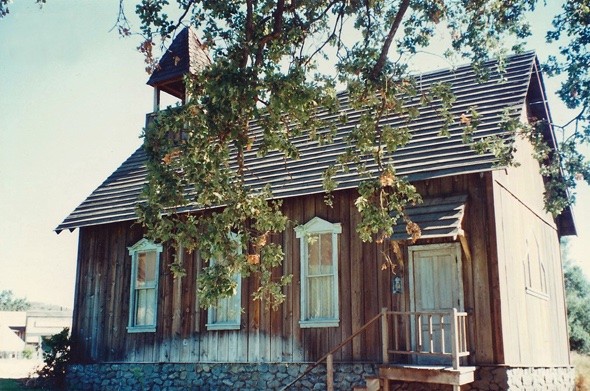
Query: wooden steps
x=420, y=374
x=428, y=374
x=372, y=383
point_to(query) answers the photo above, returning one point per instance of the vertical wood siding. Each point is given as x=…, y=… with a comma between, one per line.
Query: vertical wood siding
x=534, y=320
x=104, y=268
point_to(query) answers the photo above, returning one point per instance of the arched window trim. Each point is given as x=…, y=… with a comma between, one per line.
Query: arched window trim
x=535, y=275
x=149, y=289
x=318, y=226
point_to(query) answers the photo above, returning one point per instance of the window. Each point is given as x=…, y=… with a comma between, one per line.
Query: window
x=226, y=315
x=319, y=273
x=534, y=271
x=143, y=301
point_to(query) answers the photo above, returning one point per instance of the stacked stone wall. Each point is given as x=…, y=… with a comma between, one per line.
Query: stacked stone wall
x=274, y=376
x=214, y=376
x=523, y=379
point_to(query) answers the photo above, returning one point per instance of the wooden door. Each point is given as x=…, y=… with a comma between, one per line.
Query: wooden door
x=435, y=285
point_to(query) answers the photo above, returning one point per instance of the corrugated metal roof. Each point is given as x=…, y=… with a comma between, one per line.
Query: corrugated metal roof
x=437, y=217
x=427, y=155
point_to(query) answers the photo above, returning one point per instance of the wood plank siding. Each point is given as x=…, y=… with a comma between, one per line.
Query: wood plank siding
x=104, y=269
x=531, y=291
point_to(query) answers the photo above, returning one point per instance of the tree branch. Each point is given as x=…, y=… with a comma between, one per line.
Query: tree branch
x=249, y=32
x=188, y=7
x=337, y=23
x=276, y=31
x=387, y=44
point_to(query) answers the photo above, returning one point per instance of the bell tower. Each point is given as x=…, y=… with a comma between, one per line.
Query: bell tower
x=185, y=55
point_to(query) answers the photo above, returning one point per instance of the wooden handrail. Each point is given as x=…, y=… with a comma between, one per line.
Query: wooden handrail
x=455, y=320
x=334, y=350
x=458, y=348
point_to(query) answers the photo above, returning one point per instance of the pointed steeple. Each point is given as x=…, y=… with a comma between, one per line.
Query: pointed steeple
x=185, y=55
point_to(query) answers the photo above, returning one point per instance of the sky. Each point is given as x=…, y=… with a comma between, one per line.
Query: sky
x=73, y=101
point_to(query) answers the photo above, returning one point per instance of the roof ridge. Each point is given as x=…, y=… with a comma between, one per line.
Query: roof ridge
x=467, y=65
x=419, y=159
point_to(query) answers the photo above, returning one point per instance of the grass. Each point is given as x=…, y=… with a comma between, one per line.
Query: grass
x=11, y=385
x=582, y=364
x=18, y=385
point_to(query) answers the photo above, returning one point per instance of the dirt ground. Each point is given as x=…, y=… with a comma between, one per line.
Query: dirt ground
x=17, y=368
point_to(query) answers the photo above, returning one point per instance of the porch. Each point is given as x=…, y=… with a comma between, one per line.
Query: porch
x=417, y=346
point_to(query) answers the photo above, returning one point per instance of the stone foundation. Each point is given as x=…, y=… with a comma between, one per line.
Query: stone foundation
x=523, y=379
x=491, y=378
x=274, y=376
x=213, y=376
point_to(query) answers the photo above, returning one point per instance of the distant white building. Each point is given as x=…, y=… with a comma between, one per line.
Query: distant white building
x=45, y=323
x=12, y=332
x=19, y=329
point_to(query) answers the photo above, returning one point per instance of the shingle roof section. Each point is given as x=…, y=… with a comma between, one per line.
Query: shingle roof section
x=427, y=155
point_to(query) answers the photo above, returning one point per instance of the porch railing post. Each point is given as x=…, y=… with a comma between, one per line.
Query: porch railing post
x=385, y=335
x=330, y=372
x=455, y=339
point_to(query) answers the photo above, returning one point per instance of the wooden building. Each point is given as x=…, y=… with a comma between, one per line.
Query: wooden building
x=476, y=303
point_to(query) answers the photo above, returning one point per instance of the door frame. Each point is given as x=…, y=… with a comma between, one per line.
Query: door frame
x=454, y=248
x=458, y=270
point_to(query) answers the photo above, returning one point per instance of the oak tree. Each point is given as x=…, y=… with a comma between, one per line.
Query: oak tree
x=269, y=67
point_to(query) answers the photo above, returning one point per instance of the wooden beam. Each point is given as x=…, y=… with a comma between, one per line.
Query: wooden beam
x=385, y=335
x=156, y=99
x=436, y=375
x=465, y=246
x=330, y=372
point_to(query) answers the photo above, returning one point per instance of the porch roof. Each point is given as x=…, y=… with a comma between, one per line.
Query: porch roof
x=437, y=217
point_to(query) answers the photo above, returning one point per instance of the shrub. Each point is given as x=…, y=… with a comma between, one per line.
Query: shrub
x=56, y=356
x=28, y=353
x=577, y=288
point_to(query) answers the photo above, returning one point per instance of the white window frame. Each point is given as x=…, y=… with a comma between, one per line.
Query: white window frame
x=142, y=246
x=317, y=226
x=234, y=301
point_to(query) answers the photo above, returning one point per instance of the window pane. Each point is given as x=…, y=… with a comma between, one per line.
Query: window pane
x=228, y=309
x=140, y=307
x=140, y=278
x=313, y=251
x=320, y=255
x=320, y=298
x=146, y=268
x=145, y=305
x=326, y=251
x=150, y=313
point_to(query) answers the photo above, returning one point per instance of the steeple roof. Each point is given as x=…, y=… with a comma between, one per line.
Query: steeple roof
x=185, y=55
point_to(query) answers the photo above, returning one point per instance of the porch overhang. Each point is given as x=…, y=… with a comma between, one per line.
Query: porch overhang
x=438, y=217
